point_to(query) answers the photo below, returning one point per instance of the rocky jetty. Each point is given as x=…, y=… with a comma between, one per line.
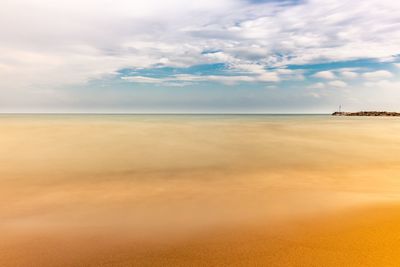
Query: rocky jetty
x=367, y=113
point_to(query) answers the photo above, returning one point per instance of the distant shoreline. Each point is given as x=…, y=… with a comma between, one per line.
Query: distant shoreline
x=367, y=113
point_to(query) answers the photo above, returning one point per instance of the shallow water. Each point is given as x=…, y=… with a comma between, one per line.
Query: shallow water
x=164, y=178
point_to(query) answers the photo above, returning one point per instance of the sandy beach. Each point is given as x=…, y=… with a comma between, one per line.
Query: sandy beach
x=199, y=191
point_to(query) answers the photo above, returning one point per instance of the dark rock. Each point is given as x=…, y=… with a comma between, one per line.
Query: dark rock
x=367, y=113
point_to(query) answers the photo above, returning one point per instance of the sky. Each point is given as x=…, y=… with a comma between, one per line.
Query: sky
x=208, y=56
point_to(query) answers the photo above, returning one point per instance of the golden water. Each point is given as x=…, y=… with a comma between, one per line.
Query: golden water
x=165, y=178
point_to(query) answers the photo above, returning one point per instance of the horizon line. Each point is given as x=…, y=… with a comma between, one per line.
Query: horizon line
x=159, y=113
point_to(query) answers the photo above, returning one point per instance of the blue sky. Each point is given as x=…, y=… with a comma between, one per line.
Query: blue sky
x=199, y=56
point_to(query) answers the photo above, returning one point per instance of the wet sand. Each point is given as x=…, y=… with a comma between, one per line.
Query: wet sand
x=199, y=191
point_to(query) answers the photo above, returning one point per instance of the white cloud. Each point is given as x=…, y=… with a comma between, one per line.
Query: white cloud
x=317, y=86
x=228, y=80
x=268, y=77
x=48, y=44
x=379, y=74
x=349, y=74
x=142, y=79
x=337, y=83
x=249, y=68
x=382, y=84
x=328, y=75
x=285, y=71
x=396, y=65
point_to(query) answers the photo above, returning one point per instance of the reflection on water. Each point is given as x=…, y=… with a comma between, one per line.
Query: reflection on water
x=157, y=175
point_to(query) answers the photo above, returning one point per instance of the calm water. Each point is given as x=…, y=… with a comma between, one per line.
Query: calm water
x=164, y=177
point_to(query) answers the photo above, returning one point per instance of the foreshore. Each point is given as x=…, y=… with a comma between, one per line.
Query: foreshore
x=199, y=191
x=364, y=236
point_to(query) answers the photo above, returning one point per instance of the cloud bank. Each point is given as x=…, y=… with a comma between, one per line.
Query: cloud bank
x=47, y=46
